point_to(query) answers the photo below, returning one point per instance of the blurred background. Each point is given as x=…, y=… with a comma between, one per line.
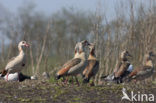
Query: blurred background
x=53, y=27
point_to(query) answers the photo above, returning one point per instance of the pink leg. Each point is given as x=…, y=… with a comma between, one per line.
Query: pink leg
x=66, y=80
x=7, y=76
x=18, y=77
x=77, y=81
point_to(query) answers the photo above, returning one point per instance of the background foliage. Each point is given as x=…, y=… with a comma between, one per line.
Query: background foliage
x=53, y=38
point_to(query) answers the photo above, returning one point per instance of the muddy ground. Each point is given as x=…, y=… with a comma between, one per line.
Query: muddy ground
x=38, y=91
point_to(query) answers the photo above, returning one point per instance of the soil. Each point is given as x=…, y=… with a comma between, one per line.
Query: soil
x=39, y=91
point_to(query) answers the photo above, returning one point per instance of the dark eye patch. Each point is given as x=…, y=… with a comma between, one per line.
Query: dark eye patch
x=127, y=52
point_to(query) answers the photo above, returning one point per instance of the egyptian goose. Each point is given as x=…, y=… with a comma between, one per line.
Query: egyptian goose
x=145, y=71
x=111, y=77
x=17, y=63
x=75, y=65
x=93, y=65
x=18, y=77
x=122, y=67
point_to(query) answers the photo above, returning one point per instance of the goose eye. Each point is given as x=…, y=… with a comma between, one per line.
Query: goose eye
x=23, y=42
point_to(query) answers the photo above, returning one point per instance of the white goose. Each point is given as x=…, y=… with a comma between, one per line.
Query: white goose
x=17, y=63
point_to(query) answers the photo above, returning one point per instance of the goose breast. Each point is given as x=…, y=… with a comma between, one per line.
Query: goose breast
x=16, y=64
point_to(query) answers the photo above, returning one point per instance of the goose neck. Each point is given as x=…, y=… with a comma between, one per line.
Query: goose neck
x=82, y=55
x=92, y=57
x=21, y=52
x=149, y=63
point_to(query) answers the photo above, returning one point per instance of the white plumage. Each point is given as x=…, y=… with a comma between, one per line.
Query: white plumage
x=130, y=68
x=17, y=63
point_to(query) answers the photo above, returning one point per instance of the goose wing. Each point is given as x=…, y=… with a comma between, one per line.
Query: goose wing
x=117, y=67
x=140, y=71
x=15, y=64
x=68, y=65
x=123, y=67
x=10, y=63
x=92, y=68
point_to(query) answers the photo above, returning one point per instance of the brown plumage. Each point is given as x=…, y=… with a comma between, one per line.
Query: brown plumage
x=77, y=64
x=145, y=71
x=64, y=70
x=93, y=65
x=122, y=65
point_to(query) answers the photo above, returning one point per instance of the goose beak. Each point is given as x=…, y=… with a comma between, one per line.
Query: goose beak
x=152, y=54
x=85, y=42
x=89, y=44
x=27, y=45
x=130, y=55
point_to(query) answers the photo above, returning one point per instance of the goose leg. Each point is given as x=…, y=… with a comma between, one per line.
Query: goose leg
x=72, y=80
x=18, y=78
x=93, y=82
x=63, y=79
x=7, y=76
x=77, y=81
x=66, y=80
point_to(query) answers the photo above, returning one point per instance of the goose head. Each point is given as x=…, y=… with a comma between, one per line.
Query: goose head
x=22, y=45
x=80, y=49
x=148, y=59
x=83, y=45
x=92, y=49
x=125, y=54
x=149, y=55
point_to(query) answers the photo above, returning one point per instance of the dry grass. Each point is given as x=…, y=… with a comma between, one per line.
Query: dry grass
x=39, y=91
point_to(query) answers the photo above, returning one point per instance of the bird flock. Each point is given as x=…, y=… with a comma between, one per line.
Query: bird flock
x=81, y=65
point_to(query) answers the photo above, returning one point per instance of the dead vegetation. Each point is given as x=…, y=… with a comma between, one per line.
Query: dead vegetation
x=39, y=91
x=53, y=38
